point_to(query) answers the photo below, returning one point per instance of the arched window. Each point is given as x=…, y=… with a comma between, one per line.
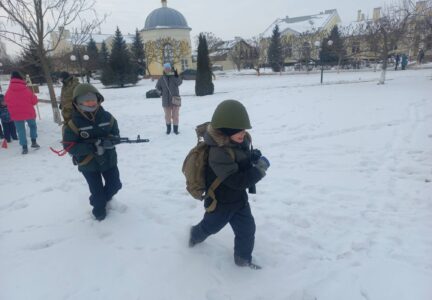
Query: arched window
x=168, y=55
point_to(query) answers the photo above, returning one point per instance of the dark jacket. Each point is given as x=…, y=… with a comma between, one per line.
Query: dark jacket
x=4, y=114
x=236, y=175
x=168, y=85
x=82, y=151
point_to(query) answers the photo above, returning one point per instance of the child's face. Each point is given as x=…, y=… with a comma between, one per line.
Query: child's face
x=238, y=137
x=90, y=103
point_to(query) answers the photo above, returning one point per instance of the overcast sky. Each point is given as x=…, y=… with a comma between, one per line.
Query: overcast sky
x=227, y=18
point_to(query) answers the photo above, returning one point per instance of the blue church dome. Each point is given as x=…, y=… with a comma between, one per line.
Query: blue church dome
x=165, y=17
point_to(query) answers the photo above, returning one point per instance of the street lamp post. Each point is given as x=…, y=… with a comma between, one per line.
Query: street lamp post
x=75, y=58
x=318, y=45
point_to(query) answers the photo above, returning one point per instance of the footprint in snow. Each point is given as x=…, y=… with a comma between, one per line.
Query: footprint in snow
x=43, y=245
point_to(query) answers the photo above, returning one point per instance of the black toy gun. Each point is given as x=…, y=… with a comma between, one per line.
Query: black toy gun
x=101, y=143
x=115, y=140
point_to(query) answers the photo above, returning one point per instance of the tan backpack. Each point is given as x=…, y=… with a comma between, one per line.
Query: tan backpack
x=194, y=167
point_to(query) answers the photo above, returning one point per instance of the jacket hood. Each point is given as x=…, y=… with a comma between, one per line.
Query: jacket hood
x=214, y=137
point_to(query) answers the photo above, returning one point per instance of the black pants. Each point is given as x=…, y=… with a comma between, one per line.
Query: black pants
x=100, y=193
x=9, y=131
x=242, y=223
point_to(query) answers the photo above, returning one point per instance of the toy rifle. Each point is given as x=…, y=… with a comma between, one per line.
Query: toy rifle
x=104, y=142
x=115, y=140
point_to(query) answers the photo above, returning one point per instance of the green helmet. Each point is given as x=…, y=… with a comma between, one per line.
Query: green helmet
x=230, y=114
x=84, y=88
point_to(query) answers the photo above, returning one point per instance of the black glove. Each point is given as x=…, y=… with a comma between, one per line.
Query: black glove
x=255, y=155
x=108, y=144
x=262, y=165
x=100, y=150
x=175, y=73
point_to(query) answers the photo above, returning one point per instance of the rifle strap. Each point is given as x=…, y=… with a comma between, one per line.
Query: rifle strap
x=75, y=129
x=86, y=160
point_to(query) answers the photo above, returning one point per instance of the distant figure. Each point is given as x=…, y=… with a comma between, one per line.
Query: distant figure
x=420, y=56
x=8, y=125
x=168, y=86
x=397, y=61
x=20, y=101
x=66, y=96
x=404, y=61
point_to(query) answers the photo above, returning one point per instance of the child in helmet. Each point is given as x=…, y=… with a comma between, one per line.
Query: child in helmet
x=97, y=161
x=232, y=163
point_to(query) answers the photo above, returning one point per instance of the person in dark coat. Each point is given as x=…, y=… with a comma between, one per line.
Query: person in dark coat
x=231, y=161
x=397, y=61
x=168, y=86
x=420, y=56
x=96, y=159
x=404, y=62
x=8, y=125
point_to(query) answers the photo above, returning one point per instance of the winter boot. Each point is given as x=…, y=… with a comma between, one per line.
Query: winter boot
x=241, y=262
x=34, y=144
x=24, y=149
x=192, y=241
x=168, y=131
x=176, y=129
x=99, y=213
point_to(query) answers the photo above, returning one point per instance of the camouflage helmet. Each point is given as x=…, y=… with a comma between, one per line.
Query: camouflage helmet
x=84, y=88
x=230, y=114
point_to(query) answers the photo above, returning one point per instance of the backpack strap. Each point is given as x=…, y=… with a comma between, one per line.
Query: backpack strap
x=111, y=123
x=73, y=127
x=215, y=184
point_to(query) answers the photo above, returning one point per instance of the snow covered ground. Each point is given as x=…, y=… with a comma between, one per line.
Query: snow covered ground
x=345, y=211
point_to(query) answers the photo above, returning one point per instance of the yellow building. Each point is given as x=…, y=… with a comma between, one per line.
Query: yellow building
x=166, y=36
x=299, y=34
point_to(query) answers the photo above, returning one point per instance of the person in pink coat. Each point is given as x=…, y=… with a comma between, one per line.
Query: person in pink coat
x=20, y=101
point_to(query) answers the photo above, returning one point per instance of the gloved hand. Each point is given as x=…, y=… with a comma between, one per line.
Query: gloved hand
x=107, y=144
x=100, y=150
x=255, y=155
x=175, y=73
x=262, y=165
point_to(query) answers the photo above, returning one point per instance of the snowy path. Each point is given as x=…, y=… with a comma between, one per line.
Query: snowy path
x=344, y=213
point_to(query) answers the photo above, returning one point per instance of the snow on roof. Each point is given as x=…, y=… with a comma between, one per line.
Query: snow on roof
x=226, y=46
x=303, y=24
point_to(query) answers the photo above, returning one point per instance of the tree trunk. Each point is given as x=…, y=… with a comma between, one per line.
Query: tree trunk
x=54, y=106
x=383, y=69
x=339, y=63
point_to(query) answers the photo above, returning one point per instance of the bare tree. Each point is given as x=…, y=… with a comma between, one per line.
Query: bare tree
x=166, y=50
x=213, y=42
x=36, y=20
x=420, y=28
x=239, y=54
x=257, y=55
x=387, y=32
